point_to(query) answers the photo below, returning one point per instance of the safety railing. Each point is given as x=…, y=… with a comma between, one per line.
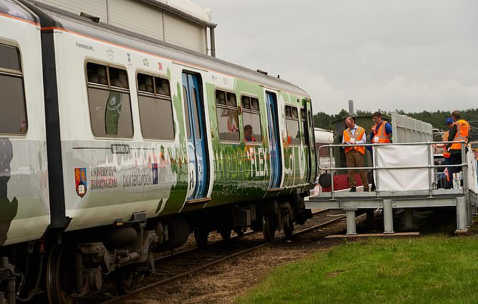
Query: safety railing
x=432, y=168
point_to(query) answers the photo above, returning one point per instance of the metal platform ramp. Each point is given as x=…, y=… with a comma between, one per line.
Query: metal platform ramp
x=409, y=185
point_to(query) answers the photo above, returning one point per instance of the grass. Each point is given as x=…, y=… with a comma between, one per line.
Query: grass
x=433, y=269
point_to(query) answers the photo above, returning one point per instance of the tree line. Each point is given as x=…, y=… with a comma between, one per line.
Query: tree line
x=437, y=119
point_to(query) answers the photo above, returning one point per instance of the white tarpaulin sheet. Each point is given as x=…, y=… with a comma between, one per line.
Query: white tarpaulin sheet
x=472, y=174
x=402, y=156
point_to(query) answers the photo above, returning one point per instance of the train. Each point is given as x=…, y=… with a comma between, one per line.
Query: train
x=114, y=146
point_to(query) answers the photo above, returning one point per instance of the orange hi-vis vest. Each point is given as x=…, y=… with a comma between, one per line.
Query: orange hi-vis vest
x=358, y=136
x=382, y=136
x=462, y=131
x=446, y=153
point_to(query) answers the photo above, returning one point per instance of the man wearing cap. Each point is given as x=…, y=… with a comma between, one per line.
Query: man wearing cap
x=352, y=136
x=458, y=132
x=446, y=153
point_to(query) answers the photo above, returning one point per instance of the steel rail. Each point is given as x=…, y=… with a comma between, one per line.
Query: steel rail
x=216, y=262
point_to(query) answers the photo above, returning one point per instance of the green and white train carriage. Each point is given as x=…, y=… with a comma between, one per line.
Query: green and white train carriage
x=146, y=142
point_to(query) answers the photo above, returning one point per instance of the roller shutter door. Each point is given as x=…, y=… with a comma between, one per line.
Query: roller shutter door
x=184, y=33
x=92, y=7
x=136, y=17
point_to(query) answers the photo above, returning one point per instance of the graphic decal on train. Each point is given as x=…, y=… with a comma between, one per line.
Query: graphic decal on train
x=103, y=178
x=9, y=208
x=80, y=181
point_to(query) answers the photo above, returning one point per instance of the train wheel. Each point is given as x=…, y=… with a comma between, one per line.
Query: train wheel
x=225, y=234
x=240, y=232
x=288, y=226
x=124, y=281
x=60, y=276
x=200, y=235
x=269, y=227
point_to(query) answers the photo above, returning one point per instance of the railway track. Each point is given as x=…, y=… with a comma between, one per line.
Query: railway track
x=194, y=260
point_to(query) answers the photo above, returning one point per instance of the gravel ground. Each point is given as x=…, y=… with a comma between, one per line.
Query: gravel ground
x=225, y=282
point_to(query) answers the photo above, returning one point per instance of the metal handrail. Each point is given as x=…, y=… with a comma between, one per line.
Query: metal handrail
x=429, y=166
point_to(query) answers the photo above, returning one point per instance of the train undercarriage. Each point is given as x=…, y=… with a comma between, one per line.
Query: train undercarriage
x=65, y=267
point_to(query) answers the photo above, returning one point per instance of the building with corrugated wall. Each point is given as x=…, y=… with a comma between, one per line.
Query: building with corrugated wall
x=178, y=22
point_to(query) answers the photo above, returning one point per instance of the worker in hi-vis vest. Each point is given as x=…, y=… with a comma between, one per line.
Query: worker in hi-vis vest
x=459, y=132
x=352, y=136
x=446, y=153
x=379, y=134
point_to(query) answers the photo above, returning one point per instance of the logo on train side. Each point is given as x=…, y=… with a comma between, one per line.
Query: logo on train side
x=85, y=46
x=110, y=53
x=120, y=149
x=80, y=181
x=103, y=177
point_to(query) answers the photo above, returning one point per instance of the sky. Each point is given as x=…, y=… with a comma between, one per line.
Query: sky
x=410, y=55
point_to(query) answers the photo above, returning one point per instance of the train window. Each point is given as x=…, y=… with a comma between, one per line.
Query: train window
x=9, y=58
x=231, y=100
x=186, y=112
x=145, y=84
x=303, y=114
x=227, y=116
x=305, y=127
x=118, y=78
x=13, y=115
x=195, y=113
x=162, y=86
x=251, y=117
x=221, y=97
x=97, y=73
x=255, y=104
x=292, y=123
x=155, y=109
x=109, y=101
x=246, y=102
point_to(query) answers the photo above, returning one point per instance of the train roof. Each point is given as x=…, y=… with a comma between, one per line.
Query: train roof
x=55, y=18
x=17, y=11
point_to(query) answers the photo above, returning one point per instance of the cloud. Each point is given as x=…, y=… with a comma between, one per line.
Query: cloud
x=410, y=55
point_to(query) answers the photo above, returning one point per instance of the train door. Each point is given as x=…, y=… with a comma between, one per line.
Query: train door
x=309, y=140
x=274, y=140
x=194, y=109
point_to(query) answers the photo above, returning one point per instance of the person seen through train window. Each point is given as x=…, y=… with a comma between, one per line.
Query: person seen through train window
x=380, y=133
x=248, y=133
x=352, y=136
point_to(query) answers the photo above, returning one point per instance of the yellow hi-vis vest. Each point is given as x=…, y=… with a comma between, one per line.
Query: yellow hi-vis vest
x=358, y=136
x=462, y=131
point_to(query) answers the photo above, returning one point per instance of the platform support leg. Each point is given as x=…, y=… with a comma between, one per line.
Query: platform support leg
x=408, y=217
x=461, y=215
x=351, y=224
x=470, y=209
x=387, y=216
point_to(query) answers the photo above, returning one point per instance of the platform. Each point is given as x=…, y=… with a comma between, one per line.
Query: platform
x=414, y=182
x=464, y=202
